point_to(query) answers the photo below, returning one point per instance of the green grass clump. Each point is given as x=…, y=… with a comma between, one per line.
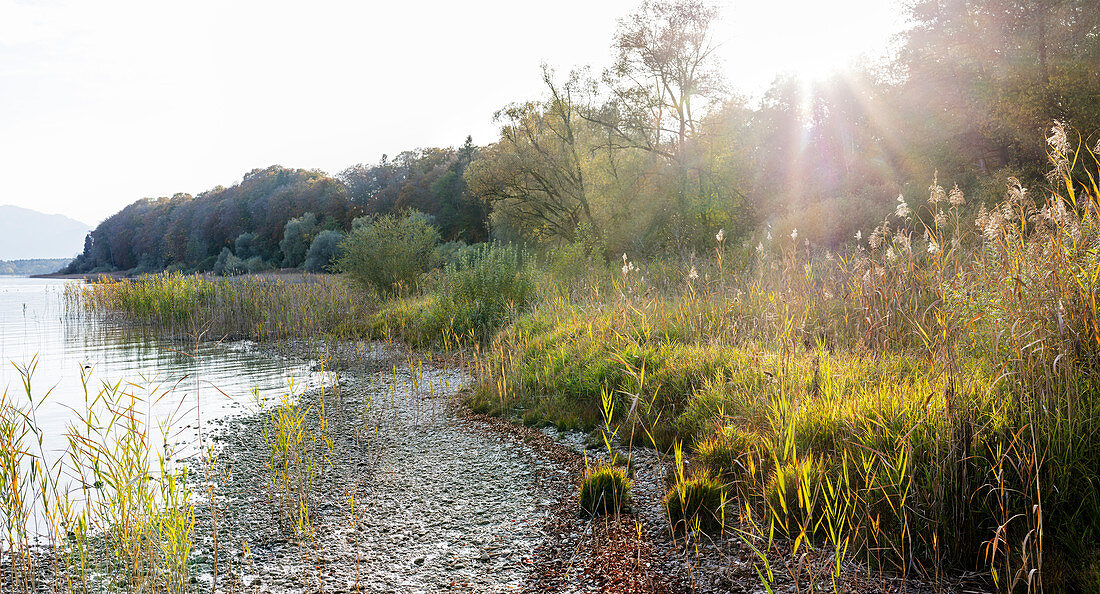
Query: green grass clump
x=605, y=490
x=481, y=291
x=730, y=453
x=792, y=496
x=697, y=502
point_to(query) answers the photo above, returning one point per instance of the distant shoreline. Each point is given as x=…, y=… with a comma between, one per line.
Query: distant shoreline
x=32, y=266
x=286, y=274
x=81, y=276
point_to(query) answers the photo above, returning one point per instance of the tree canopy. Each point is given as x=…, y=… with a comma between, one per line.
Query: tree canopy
x=657, y=153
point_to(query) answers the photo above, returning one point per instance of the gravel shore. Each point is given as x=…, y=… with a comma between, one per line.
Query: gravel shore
x=438, y=504
x=411, y=492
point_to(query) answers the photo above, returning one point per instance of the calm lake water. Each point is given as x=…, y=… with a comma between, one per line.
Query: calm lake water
x=174, y=384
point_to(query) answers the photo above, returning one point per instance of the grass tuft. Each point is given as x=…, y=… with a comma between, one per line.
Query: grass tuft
x=605, y=490
x=697, y=503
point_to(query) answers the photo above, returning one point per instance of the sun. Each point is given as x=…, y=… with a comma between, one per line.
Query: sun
x=809, y=39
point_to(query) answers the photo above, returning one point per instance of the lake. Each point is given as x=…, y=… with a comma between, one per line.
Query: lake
x=178, y=386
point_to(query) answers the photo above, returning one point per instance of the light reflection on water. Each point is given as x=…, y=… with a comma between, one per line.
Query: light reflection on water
x=175, y=381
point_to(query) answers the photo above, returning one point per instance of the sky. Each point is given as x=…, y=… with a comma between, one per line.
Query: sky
x=103, y=103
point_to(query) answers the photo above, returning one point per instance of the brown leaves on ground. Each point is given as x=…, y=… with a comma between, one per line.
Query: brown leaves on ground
x=604, y=554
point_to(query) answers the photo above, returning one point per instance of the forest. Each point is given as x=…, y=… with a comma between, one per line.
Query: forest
x=33, y=266
x=656, y=153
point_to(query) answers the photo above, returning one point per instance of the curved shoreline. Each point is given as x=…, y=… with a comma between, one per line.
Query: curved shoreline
x=416, y=493
x=436, y=504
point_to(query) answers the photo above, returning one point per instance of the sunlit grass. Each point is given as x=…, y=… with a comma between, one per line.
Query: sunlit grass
x=926, y=401
x=923, y=402
x=244, y=307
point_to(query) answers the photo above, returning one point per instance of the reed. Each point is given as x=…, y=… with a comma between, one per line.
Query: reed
x=924, y=401
x=112, y=512
x=260, y=308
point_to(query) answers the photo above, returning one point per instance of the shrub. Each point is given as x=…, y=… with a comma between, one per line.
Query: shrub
x=480, y=291
x=297, y=235
x=390, y=253
x=324, y=251
x=257, y=264
x=605, y=490
x=245, y=246
x=569, y=264
x=227, y=264
x=696, y=501
x=452, y=252
x=791, y=496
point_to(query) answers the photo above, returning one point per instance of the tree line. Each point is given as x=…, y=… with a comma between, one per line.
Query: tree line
x=658, y=152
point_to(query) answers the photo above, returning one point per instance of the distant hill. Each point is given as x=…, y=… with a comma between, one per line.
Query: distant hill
x=271, y=218
x=29, y=267
x=27, y=234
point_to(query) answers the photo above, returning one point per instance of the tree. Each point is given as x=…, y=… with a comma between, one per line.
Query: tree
x=460, y=215
x=429, y=180
x=534, y=175
x=243, y=246
x=666, y=61
x=324, y=251
x=666, y=73
x=188, y=233
x=297, y=236
x=984, y=78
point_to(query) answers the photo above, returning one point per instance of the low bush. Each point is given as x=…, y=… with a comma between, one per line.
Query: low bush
x=481, y=291
x=389, y=254
x=229, y=264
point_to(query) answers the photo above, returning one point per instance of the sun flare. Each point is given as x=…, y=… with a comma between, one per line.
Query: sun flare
x=806, y=38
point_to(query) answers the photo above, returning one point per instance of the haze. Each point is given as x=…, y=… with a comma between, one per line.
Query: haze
x=105, y=103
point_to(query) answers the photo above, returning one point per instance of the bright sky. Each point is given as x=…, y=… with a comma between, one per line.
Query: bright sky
x=106, y=102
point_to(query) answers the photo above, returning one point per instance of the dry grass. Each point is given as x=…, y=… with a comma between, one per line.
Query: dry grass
x=924, y=402
x=941, y=375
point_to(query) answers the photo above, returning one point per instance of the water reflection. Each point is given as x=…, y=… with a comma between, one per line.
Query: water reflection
x=178, y=383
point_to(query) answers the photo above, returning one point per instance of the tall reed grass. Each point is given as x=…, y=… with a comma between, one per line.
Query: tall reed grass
x=926, y=401
x=260, y=308
x=111, y=512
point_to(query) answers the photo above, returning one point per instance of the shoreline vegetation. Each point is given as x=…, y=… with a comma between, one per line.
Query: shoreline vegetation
x=921, y=406
x=346, y=486
x=846, y=338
